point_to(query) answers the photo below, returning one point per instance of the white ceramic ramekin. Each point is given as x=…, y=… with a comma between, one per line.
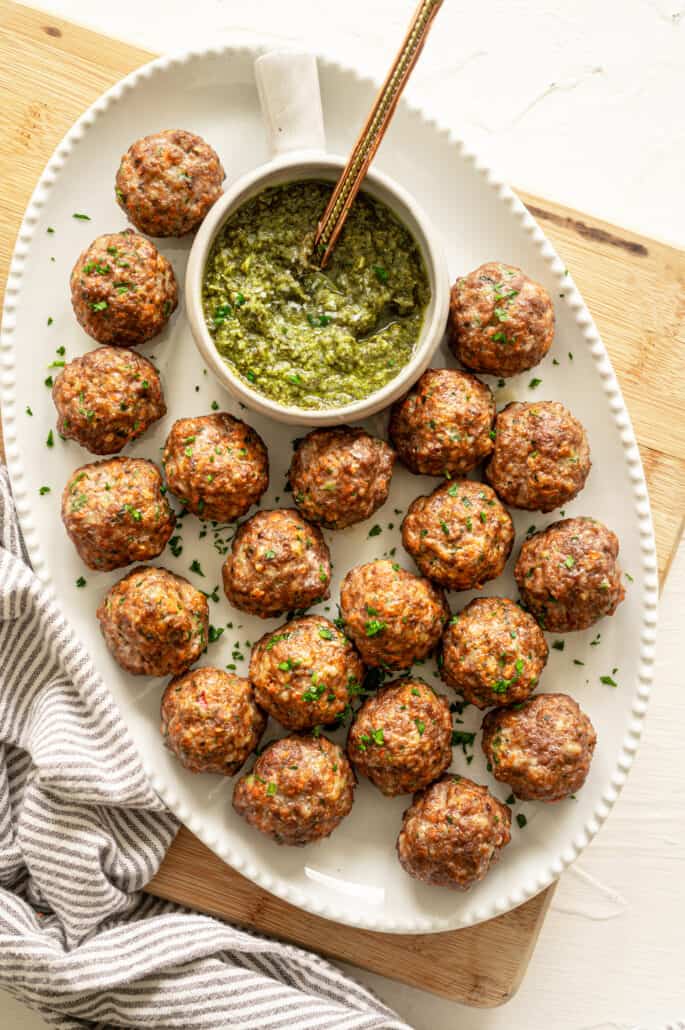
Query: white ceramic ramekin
x=313, y=163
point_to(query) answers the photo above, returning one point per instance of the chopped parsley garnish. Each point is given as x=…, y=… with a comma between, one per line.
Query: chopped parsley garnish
x=374, y=626
x=50, y=442
x=325, y=633
x=99, y=305
x=463, y=738
x=375, y=530
x=80, y=217
x=215, y=632
x=608, y=681
x=521, y=820
x=558, y=645
x=28, y=410
x=271, y=789
x=381, y=273
x=196, y=567
x=534, y=383
x=44, y=490
x=176, y=546
x=80, y=582
x=420, y=725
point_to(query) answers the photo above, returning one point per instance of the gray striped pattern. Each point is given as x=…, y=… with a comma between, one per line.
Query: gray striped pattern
x=81, y=832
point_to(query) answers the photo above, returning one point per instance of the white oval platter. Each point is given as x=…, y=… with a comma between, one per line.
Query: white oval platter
x=352, y=877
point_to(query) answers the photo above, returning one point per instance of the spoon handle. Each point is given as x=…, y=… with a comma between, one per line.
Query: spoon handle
x=369, y=140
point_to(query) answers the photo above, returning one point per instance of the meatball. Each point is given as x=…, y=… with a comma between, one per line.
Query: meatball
x=401, y=737
x=210, y=721
x=122, y=289
x=501, y=322
x=300, y=789
x=106, y=398
x=460, y=536
x=167, y=182
x=154, y=623
x=278, y=563
x=568, y=575
x=340, y=476
x=541, y=748
x=452, y=833
x=216, y=465
x=493, y=652
x=444, y=424
x=394, y=617
x=541, y=458
x=115, y=512
x=305, y=673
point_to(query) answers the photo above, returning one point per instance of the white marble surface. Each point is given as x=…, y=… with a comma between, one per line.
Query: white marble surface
x=582, y=102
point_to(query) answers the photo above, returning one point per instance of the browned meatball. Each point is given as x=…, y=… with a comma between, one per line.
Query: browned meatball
x=394, y=617
x=278, y=563
x=106, y=398
x=568, y=574
x=305, y=673
x=216, y=465
x=167, y=182
x=541, y=748
x=460, y=536
x=115, y=512
x=541, y=458
x=210, y=720
x=154, y=623
x=444, y=424
x=452, y=833
x=300, y=789
x=501, y=322
x=493, y=652
x=122, y=289
x=401, y=737
x=340, y=476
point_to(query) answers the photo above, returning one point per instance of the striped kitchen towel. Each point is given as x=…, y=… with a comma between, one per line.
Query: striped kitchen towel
x=81, y=833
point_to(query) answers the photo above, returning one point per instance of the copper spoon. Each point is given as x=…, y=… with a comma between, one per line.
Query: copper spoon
x=369, y=140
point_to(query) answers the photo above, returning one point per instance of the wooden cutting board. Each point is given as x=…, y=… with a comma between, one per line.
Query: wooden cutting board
x=50, y=71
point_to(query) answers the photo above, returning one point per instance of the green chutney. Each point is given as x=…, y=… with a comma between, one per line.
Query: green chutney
x=300, y=335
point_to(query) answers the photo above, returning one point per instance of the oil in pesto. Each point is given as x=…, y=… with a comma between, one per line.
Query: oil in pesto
x=300, y=335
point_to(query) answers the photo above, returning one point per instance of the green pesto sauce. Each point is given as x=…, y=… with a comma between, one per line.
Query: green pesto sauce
x=306, y=337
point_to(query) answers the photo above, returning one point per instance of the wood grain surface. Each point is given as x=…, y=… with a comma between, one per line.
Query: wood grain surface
x=50, y=71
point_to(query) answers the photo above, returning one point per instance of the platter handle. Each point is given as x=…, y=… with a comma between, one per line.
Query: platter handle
x=290, y=98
